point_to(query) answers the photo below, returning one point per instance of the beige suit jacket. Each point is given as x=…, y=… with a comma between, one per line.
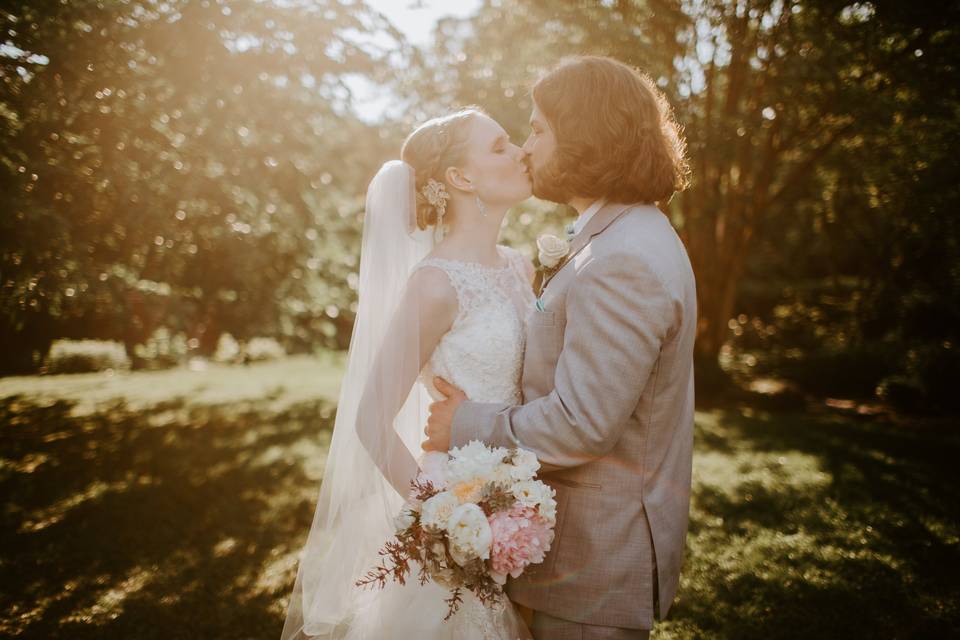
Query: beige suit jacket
x=608, y=392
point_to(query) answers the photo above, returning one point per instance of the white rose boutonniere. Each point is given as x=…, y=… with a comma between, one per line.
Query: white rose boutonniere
x=552, y=250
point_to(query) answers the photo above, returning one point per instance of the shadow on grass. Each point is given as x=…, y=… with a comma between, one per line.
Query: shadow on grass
x=820, y=526
x=171, y=522
x=183, y=521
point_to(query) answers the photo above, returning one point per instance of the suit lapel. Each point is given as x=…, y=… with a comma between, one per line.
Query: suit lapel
x=595, y=226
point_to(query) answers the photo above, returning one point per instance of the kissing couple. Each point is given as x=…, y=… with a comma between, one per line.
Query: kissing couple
x=585, y=360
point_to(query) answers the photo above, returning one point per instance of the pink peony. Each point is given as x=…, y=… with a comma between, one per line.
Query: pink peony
x=520, y=538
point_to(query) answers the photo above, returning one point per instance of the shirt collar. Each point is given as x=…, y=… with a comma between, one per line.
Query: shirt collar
x=584, y=217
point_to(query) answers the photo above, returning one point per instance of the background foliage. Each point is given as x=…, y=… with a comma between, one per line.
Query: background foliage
x=197, y=166
x=181, y=183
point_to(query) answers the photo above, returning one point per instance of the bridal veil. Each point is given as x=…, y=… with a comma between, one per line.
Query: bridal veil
x=380, y=414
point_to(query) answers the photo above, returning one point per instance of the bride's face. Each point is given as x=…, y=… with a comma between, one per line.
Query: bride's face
x=494, y=165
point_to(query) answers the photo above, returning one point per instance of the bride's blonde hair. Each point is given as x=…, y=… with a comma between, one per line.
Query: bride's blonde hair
x=433, y=147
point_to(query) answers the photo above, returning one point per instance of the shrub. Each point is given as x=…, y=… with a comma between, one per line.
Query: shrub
x=806, y=344
x=84, y=356
x=228, y=349
x=926, y=383
x=263, y=349
x=163, y=349
x=902, y=393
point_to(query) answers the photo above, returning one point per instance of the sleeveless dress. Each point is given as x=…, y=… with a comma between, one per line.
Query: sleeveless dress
x=482, y=354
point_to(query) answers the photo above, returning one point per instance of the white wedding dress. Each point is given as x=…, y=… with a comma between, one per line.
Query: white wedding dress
x=482, y=354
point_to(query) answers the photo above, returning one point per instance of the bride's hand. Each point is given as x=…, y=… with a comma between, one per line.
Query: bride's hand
x=441, y=416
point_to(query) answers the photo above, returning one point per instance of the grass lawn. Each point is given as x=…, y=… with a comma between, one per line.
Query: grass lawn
x=173, y=505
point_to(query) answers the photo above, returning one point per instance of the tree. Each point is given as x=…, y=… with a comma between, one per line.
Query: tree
x=175, y=163
x=786, y=104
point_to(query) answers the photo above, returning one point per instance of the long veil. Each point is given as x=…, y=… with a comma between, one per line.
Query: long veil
x=380, y=415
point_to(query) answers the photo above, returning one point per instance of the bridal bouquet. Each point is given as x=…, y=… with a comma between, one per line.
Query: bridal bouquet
x=473, y=517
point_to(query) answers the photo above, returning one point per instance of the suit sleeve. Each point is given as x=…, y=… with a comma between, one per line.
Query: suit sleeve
x=619, y=313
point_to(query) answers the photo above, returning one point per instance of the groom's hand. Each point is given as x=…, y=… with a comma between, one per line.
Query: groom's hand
x=441, y=416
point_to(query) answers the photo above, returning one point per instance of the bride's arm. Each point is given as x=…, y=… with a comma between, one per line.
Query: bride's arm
x=426, y=312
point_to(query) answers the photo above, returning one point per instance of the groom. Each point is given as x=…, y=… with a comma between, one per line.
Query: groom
x=608, y=368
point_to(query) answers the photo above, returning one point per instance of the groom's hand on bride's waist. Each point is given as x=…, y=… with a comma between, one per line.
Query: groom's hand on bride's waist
x=441, y=416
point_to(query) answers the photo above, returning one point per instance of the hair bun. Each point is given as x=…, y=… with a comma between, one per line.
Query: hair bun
x=433, y=147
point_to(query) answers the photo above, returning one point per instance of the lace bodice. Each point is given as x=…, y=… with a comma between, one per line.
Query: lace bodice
x=482, y=353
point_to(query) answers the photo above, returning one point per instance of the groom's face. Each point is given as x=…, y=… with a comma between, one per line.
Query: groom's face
x=537, y=151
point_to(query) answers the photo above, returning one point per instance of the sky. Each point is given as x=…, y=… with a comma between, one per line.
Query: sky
x=416, y=20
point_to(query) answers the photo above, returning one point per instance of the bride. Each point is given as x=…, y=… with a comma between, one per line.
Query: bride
x=437, y=296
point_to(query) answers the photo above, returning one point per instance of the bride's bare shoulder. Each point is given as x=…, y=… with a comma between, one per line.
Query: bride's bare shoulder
x=432, y=286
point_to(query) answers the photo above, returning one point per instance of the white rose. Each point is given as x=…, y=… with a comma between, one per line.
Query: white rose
x=433, y=468
x=504, y=474
x=437, y=510
x=548, y=509
x=533, y=493
x=469, y=534
x=525, y=465
x=472, y=461
x=529, y=493
x=552, y=250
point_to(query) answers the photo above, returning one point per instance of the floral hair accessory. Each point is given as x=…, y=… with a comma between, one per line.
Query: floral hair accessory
x=436, y=194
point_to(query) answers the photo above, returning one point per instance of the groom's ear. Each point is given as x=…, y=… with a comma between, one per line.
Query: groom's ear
x=456, y=179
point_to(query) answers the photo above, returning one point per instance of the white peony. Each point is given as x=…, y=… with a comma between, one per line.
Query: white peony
x=525, y=465
x=472, y=461
x=437, y=510
x=548, y=510
x=552, y=250
x=469, y=534
x=504, y=474
x=533, y=493
x=529, y=493
x=433, y=468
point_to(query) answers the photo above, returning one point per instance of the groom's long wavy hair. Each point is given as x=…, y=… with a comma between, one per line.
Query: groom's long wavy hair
x=616, y=134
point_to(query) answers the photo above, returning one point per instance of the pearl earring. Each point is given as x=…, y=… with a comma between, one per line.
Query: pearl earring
x=481, y=206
